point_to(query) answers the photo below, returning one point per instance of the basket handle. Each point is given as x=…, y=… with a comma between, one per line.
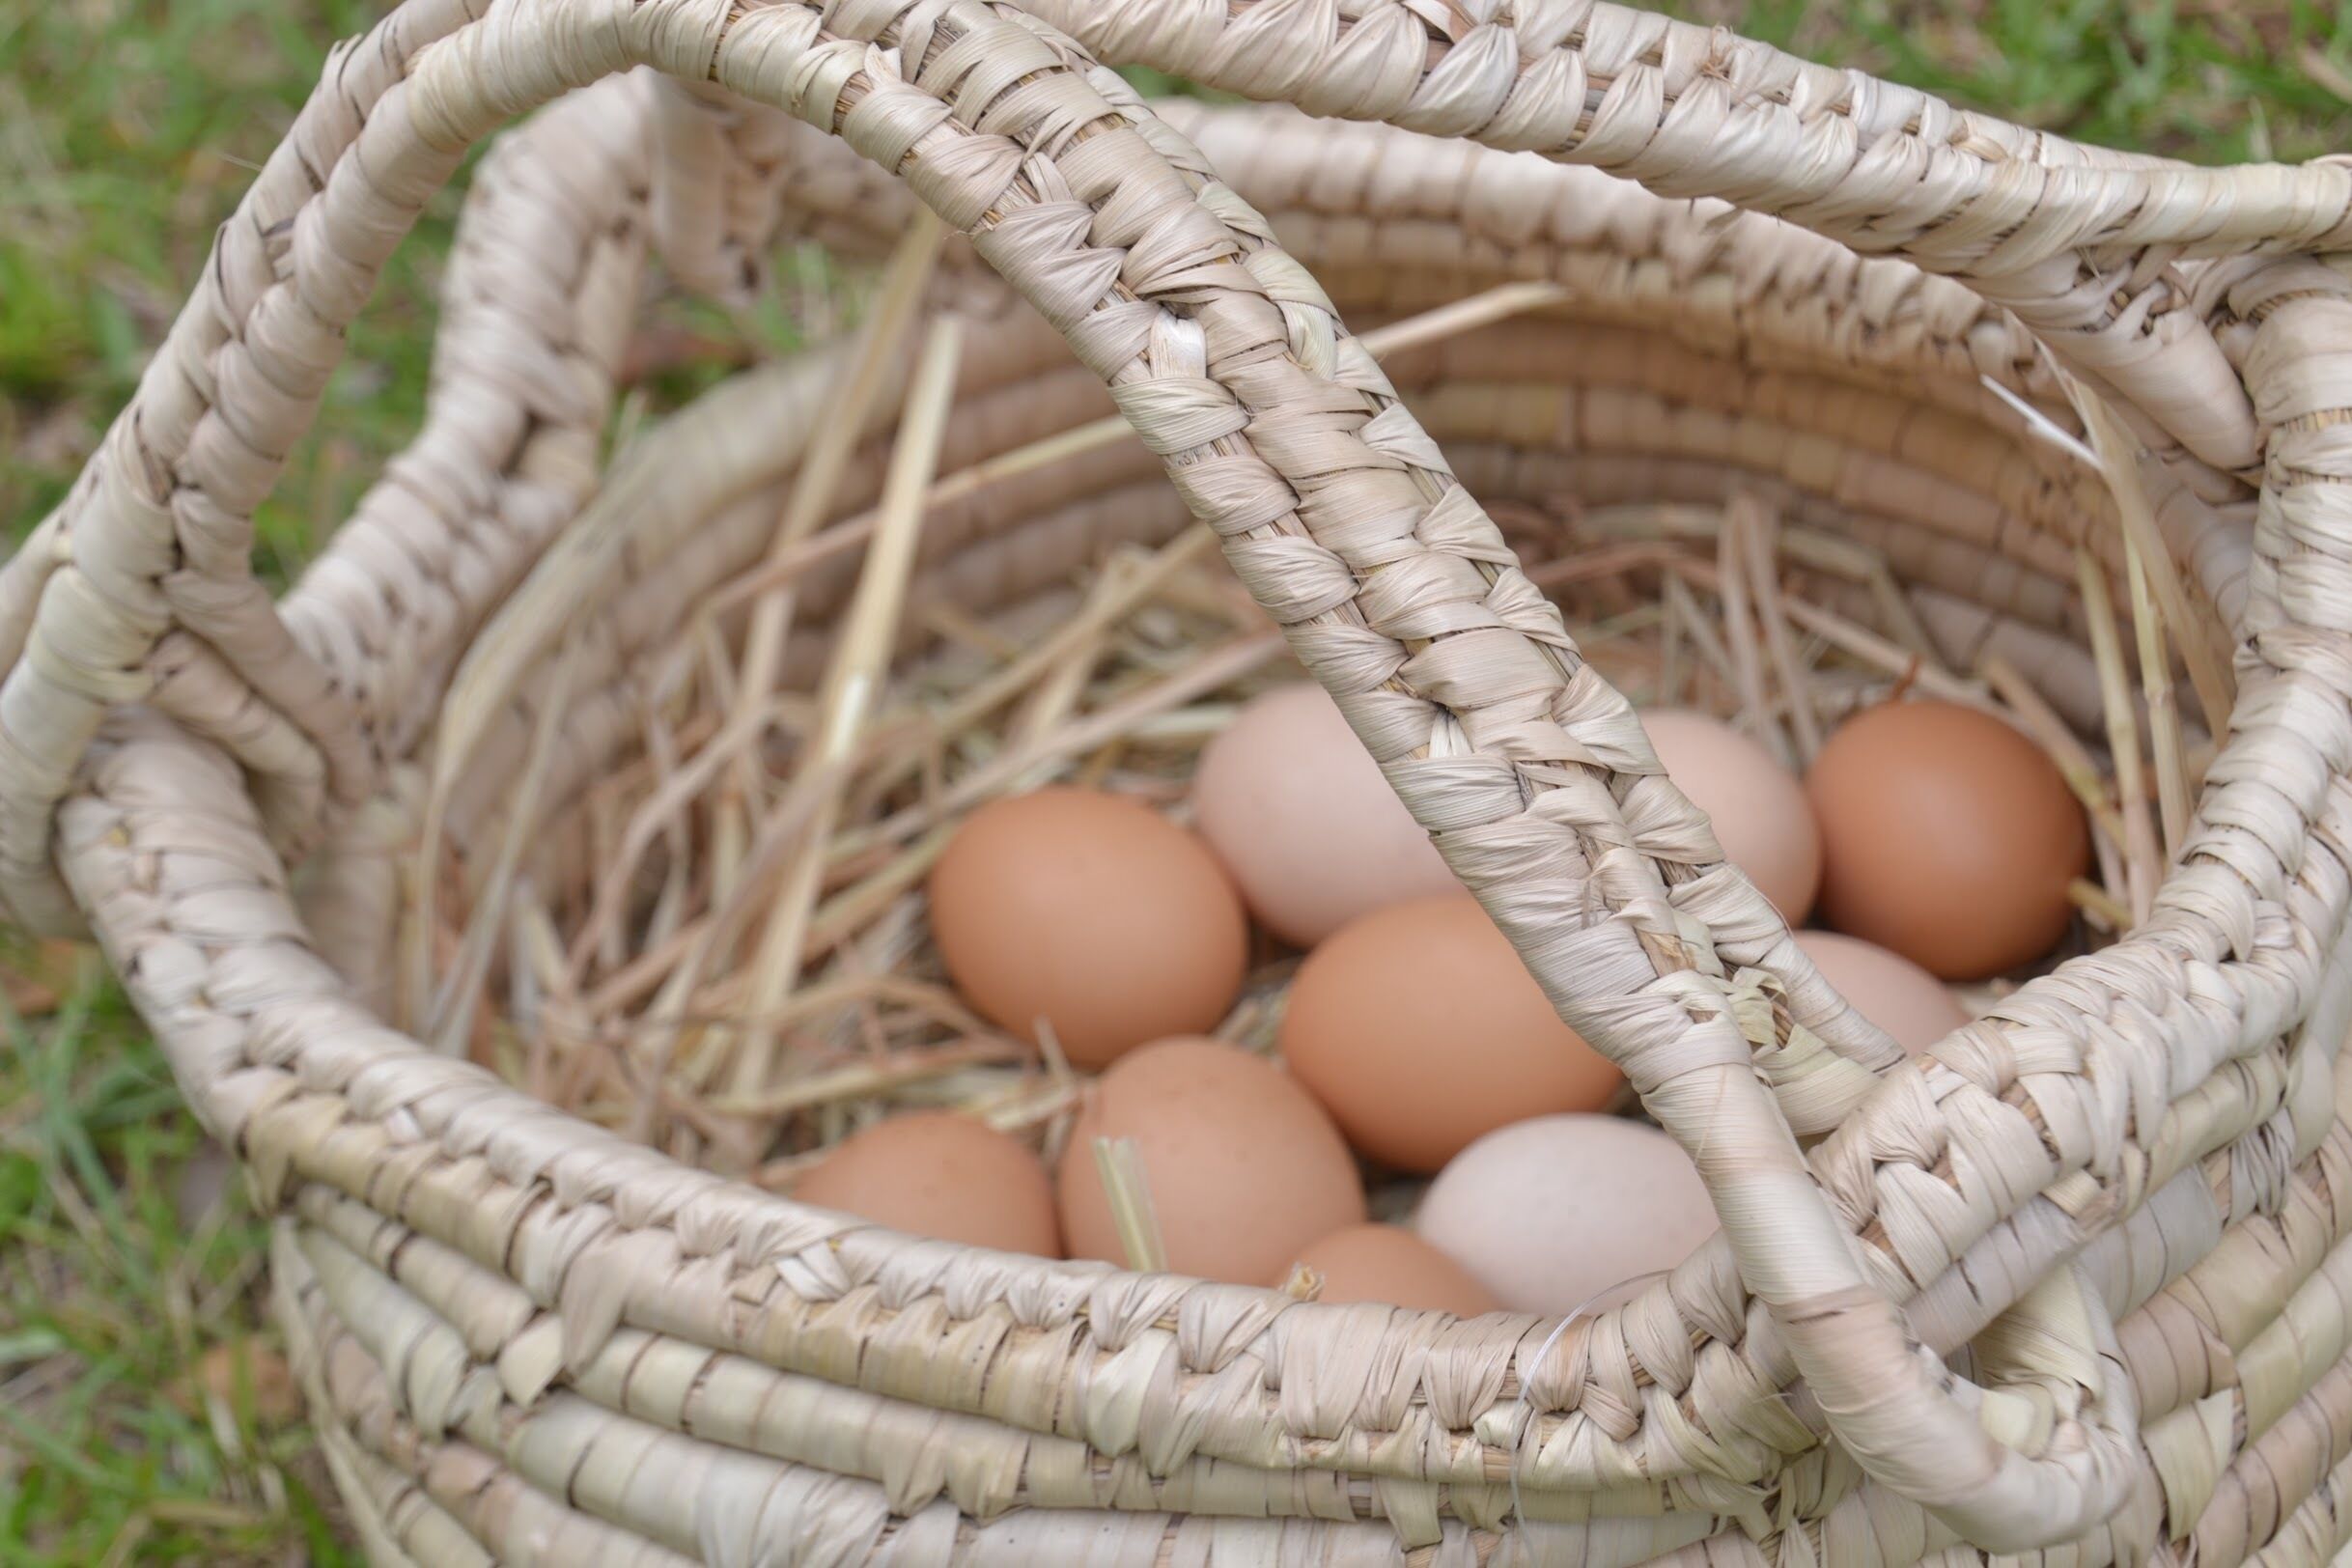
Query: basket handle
x=2079, y=243
x=140, y=587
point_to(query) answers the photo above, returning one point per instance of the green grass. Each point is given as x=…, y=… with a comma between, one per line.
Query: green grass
x=127, y=1264
x=127, y=132
x=127, y=129
x=2214, y=81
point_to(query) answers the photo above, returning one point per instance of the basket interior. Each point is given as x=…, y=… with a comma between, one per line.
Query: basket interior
x=1601, y=423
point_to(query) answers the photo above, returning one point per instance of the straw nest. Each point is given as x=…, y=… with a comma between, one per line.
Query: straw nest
x=694, y=914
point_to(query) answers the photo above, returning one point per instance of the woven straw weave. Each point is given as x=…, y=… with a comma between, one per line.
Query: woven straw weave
x=2075, y=1282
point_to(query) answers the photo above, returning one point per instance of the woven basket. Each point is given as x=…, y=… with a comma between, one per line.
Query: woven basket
x=2073, y=1280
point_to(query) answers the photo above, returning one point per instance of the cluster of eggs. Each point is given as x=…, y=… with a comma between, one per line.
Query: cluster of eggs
x=1935, y=832
x=1412, y=1036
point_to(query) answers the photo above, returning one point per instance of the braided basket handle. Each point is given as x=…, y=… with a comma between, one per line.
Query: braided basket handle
x=140, y=587
x=2078, y=241
x=1338, y=512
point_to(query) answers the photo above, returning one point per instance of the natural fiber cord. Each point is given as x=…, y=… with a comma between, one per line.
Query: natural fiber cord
x=2078, y=1280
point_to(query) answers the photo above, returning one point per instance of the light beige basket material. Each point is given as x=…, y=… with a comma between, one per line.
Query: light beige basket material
x=2121, y=1109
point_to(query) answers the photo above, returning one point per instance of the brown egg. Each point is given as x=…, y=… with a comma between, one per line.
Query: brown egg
x=1092, y=912
x=1298, y=810
x=1562, y=1213
x=1419, y=1029
x=1948, y=838
x=1886, y=988
x=1391, y=1264
x=935, y=1173
x=1245, y=1169
x=1757, y=806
